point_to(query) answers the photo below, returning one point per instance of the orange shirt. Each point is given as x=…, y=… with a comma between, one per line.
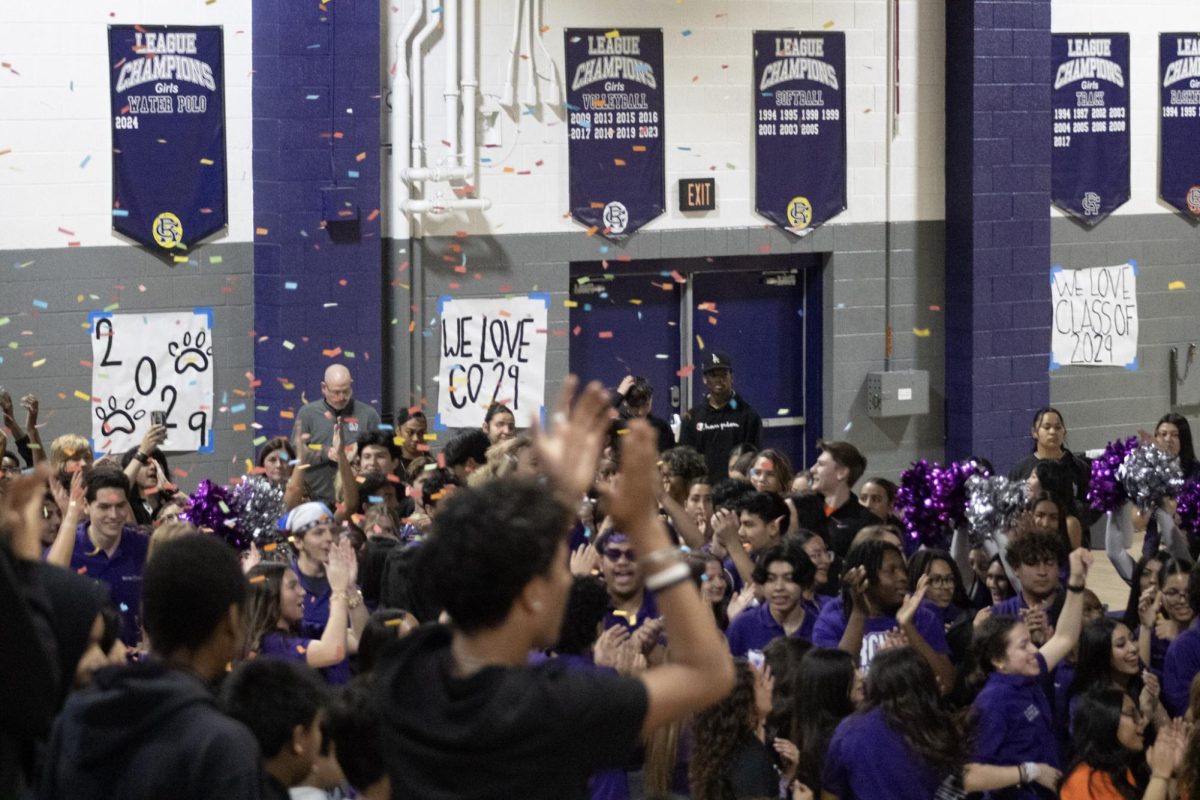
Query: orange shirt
x=1086, y=783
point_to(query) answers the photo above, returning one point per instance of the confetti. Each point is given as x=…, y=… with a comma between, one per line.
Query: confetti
x=612, y=34
x=261, y=231
x=605, y=334
x=1176, y=285
x=921, y=332
x=208, y=162
x=361, y=157
x=84, y=163
x=687, y=33
x=686, y=371
x=82, y=396
x=42, y=304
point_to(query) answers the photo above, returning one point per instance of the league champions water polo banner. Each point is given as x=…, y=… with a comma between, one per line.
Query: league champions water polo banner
x=800, y=127
x=1090, y=174
x=168, y=114
x=1179, y=178
x=615, y=128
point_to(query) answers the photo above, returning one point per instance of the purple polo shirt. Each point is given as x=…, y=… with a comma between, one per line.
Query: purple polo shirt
x=1015, y=725
x=755, y=628
x=293, y=648
x=122, y=571
x=869, y=759
x=317, y=595
x=831, y=624
x=1179, y=667
x=647, y=610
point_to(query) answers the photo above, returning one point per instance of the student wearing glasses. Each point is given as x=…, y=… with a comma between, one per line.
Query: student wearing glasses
x=629, y=603
x=946, y=596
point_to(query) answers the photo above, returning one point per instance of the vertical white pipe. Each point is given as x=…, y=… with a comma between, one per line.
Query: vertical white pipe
x=529, y=96
x=418, y=83
x=452, y=89
x=470, y=85
x=506, y=97
x=398, y=125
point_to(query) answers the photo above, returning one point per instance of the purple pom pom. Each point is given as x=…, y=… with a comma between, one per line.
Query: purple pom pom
x=1106, y=492
x=210, y=507
x=1189, y=507
x=933, y=500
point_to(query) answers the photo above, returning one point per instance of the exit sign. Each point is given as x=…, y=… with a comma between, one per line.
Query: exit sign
x=697, y=194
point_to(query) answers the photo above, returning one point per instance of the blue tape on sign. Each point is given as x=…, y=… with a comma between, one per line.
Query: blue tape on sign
x=1133, y=265
x=1132, y=365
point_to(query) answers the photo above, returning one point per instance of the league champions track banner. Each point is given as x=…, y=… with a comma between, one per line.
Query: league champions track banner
x=800, y=127
x=168, y=114
x=615, y=128
x=1090, y=173
x=1179, y=172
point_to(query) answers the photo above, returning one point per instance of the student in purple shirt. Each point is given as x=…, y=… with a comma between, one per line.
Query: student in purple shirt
x=276, y=608
x=311, y=526
x=1035, y=555
x=786, y=574
x=875, y=602
x=1183, y=656
x=105, y=546
x=903, y=744
x=1015, y=750
x=629, y=603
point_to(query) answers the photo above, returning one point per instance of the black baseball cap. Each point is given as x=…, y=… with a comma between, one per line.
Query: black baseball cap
x=714, y=361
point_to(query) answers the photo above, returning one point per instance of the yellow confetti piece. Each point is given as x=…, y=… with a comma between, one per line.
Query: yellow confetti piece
x=699, y=341
x=258, y=440
x=289, y=345
x=828, y=24
x=570, y=304
x=430, y=437
x=921, y=332
x=38, y=363
x=180, y=259
x=1176, y=285
x=82, y=396
x=208, y=162
x=612, y=34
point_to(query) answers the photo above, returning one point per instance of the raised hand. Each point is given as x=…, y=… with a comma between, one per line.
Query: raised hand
x=342, y=568
x=739, y=602
x=584, y=559
x=607, y=650
x=30, y=403
x=21, y=513
x=1080, y=560
x=152, y=439
x=6, y=407
x=633, y=503
x=569, y=449
x=1149, y=604
x=912, y=601
x=856, y=581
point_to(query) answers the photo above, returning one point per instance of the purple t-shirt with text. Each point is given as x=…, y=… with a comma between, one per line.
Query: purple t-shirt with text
x=832, y=624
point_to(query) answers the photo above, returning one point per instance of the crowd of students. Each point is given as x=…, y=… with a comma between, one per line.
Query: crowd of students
x=585, y=611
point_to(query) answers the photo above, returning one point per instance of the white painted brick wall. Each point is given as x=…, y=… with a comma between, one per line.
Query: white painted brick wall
x=51, y=127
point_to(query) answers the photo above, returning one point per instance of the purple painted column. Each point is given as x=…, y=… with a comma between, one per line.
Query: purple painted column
x=997, y=225
x=317, y=284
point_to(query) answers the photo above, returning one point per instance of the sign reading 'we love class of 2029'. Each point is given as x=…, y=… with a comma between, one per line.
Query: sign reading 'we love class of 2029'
x=150, y=366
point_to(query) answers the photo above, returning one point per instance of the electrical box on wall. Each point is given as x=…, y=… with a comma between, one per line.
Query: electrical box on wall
x=897, y=394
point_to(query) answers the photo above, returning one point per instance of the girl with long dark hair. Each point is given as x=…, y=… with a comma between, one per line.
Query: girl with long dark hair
x=731, y=758
x=903, y=743
x=828, y=689
x=1164, y=612
x=1108, y=657
x=1108, y=744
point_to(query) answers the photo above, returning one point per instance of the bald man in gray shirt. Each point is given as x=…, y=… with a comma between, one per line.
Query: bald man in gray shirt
x=314, y=426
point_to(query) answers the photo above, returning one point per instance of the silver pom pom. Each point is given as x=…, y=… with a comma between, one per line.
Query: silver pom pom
x=993, y=503
x=1150, y=475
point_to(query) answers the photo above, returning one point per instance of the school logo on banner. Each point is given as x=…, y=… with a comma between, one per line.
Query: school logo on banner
x=168, y=117
x=615, y=128
x=1179, y=128
x=1090, y=161
x=800, y=131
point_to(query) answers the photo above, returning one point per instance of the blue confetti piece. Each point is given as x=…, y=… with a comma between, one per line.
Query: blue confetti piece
x=41, y=304
x=120, y=212
x=585, y=123
x=237, y=409
x=799, y=312
x=685, y=149
x=485, y=160
x=353, y=173
x=374, y=498
x=572, y=107
x=304, y=233
x=587, y=306
x=849, y=425
x=383, y=426
x=314, y=46
x=312, y=97
x=291, y=286
x=687, y=33
x=124, y=608
x=72, y=84
x=603, y=248
x=85, y=161
x=733, y=404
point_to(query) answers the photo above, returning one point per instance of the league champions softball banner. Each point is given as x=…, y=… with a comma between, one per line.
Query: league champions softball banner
x=615, y=128
x=1090, y=173
x=800, y=127
x=1179, y=181
x=168, y=114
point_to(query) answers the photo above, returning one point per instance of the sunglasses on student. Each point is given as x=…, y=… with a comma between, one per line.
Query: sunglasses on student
x=615, y=554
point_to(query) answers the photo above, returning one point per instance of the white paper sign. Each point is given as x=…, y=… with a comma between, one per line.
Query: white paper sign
x=1095, y=316
x=147, y=363
x=493, y=351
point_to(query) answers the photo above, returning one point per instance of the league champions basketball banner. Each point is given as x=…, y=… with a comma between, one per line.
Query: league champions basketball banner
x=1179, y=177
x=615, y=128
x=168, y=114
x=1090, y=173
x=800, y=127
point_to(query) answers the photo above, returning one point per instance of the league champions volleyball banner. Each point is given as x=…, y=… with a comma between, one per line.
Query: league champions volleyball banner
x=1090, y=173
x=615, y=128
x=1179, y=62
x=800, y=127
x=168, y=113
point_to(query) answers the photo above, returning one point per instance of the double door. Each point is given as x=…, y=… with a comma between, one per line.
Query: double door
x=659, y=319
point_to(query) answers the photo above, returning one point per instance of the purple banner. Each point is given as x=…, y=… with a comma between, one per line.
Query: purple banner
x=1090, y=173
x=615, y=128
x=1179, y=176
x=800, y=127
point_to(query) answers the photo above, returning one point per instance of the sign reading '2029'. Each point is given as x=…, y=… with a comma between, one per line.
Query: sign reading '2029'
x=168, y=127
x=615, y=128
x=800, y=127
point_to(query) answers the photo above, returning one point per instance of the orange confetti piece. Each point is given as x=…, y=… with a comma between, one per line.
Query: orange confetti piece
x=361, y=157
x=261, y=231
x=639, y=148
x=605, y=334
x=371, y=217
x=620, y=162
x=688, y=370
x=258, y=579
x=592, y=230
x=337, y=351
x=180, y=472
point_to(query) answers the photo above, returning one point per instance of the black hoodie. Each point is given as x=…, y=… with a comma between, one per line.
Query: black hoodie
x=146, y=731
x=504, y=732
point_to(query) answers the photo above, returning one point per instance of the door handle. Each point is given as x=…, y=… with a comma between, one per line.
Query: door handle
x=674, y=397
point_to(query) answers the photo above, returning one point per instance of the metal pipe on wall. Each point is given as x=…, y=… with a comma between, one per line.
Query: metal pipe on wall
x=470, y=88
x=452, y=89
x=418, y=85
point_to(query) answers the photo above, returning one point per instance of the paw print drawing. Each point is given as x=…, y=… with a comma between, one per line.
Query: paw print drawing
x=189, y=354
x=116, y=419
